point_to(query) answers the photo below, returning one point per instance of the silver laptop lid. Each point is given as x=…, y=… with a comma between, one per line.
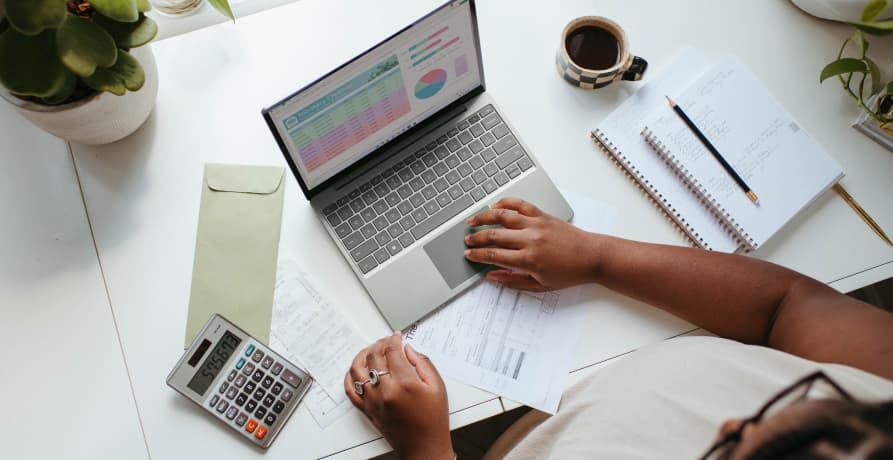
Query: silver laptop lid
x=330, y=128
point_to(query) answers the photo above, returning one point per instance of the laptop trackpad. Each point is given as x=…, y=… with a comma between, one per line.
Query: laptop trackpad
x=447, y=251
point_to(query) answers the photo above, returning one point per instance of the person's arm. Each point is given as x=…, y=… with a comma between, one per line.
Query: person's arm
x=733, y=296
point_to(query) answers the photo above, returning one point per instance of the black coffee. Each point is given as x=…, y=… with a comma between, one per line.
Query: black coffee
x=592, y=47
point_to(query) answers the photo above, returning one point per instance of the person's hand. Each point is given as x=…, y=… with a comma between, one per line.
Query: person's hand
x=537, y=252
x=409, y=407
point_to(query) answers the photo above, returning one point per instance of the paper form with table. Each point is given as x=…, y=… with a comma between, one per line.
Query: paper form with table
x=512, y=343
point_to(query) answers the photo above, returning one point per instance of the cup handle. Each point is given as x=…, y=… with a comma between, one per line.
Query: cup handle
x=636, y=69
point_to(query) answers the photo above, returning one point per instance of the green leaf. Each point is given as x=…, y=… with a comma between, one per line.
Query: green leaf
x=65, y=92
x=873, y=9
x=126, y=74
x=874, y=28
x=119, y=10
x=143, y=6
x=129, y=34
x=842, y=66
x=29, y=65
x=875, y=73
x=82, y=46
x=30, y=17
x=223, y=7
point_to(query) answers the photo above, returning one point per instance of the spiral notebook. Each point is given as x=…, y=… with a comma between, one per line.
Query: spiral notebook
x=671, y=166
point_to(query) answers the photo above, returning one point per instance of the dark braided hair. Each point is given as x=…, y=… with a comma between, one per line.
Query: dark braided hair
x=864, y=432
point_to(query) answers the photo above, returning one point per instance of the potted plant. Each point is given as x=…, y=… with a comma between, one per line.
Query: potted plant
x=79, y=68
x=861, y=77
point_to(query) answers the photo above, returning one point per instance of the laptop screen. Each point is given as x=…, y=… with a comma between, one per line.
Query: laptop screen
x=363, y=105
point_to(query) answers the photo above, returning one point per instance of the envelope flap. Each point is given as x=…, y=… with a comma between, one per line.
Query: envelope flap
x=261, y=180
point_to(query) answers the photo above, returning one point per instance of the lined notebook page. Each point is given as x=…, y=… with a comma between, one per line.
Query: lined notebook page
x=619, y=133
x=778, y=159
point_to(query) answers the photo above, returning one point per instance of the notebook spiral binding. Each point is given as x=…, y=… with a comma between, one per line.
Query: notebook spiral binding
x=656, y=198
x=725, y=218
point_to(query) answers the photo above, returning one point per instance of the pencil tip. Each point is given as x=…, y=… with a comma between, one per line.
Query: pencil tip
x=672, y=103
x=753, y=197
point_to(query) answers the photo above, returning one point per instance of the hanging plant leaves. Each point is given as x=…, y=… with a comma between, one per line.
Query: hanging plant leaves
x=842, y=66
x=119, y=10
x=30, y=17
x=126, y=74
x=82, y=46
x=29, y=65
x=223, y=7
x=129, y=34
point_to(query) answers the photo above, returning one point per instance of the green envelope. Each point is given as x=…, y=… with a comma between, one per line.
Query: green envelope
x=236, y=247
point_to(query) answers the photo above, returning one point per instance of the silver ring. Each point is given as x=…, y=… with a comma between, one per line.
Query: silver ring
x=358, y=386
x=375, y=376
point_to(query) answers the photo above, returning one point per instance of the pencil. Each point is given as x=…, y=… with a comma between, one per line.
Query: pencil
x=725, y=164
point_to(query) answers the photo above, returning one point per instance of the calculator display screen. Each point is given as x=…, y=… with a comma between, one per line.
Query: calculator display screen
x=214, y=363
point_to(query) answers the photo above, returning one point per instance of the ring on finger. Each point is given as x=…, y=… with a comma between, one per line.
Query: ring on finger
x=375, y=376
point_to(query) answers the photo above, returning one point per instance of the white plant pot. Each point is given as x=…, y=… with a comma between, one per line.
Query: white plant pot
x=101, y=118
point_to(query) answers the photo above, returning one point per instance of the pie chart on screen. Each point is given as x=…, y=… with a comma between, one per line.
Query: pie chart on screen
x=430, y=83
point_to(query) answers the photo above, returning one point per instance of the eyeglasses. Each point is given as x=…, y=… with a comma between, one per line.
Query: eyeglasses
x=797, y=391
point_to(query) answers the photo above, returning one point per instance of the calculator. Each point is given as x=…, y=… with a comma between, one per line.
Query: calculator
x=240, y=381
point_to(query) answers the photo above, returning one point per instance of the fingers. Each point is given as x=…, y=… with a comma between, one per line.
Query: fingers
x=515, y=280
x=424, y=367
x=500, y=237
x=519, y=205
x=397, y=362
x=507, y=258
x=505, y=217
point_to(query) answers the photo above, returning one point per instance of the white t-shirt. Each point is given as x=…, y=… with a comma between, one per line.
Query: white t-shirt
x=668, y=401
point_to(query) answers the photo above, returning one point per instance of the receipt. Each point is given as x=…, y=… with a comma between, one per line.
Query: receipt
x=314, y=335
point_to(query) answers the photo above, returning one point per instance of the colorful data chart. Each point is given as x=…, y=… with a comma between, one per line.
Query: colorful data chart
x=349, y=114
x=430, y=83
x=430, y=46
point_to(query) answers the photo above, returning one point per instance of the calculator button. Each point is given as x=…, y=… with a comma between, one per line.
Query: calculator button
x=249, y=350
x=277, y=408
x=267, y=362
x=221, y=407
x=233, y=391
x=258, y=375
x=232, y=412
x=261, y=411
x=268, y=401
x=257, y=356
x=291, y=378
x=277, y=368
x=259, y=394
x=249, y=387
x=251, y=405
x=240, y=363
x=270, y=419
x=260, y=433
x=214, y=401
x=232, y=375
x=252, y=424
x=241, y=419
x=240, y=400
x=248, y=369
x=223, y=387
x=277, y=388
x=286, y=395
x=267, y=382
x=240, y=380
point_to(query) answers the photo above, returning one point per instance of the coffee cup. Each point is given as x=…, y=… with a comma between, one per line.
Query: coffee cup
x=595, y=52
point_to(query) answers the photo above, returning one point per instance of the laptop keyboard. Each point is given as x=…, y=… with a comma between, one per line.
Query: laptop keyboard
x=387, y=214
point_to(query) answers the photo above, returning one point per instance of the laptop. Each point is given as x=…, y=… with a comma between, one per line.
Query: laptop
x=397, y=148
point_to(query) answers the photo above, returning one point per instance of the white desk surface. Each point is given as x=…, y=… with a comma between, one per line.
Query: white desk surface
x=65, y=384
x=142, y=194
